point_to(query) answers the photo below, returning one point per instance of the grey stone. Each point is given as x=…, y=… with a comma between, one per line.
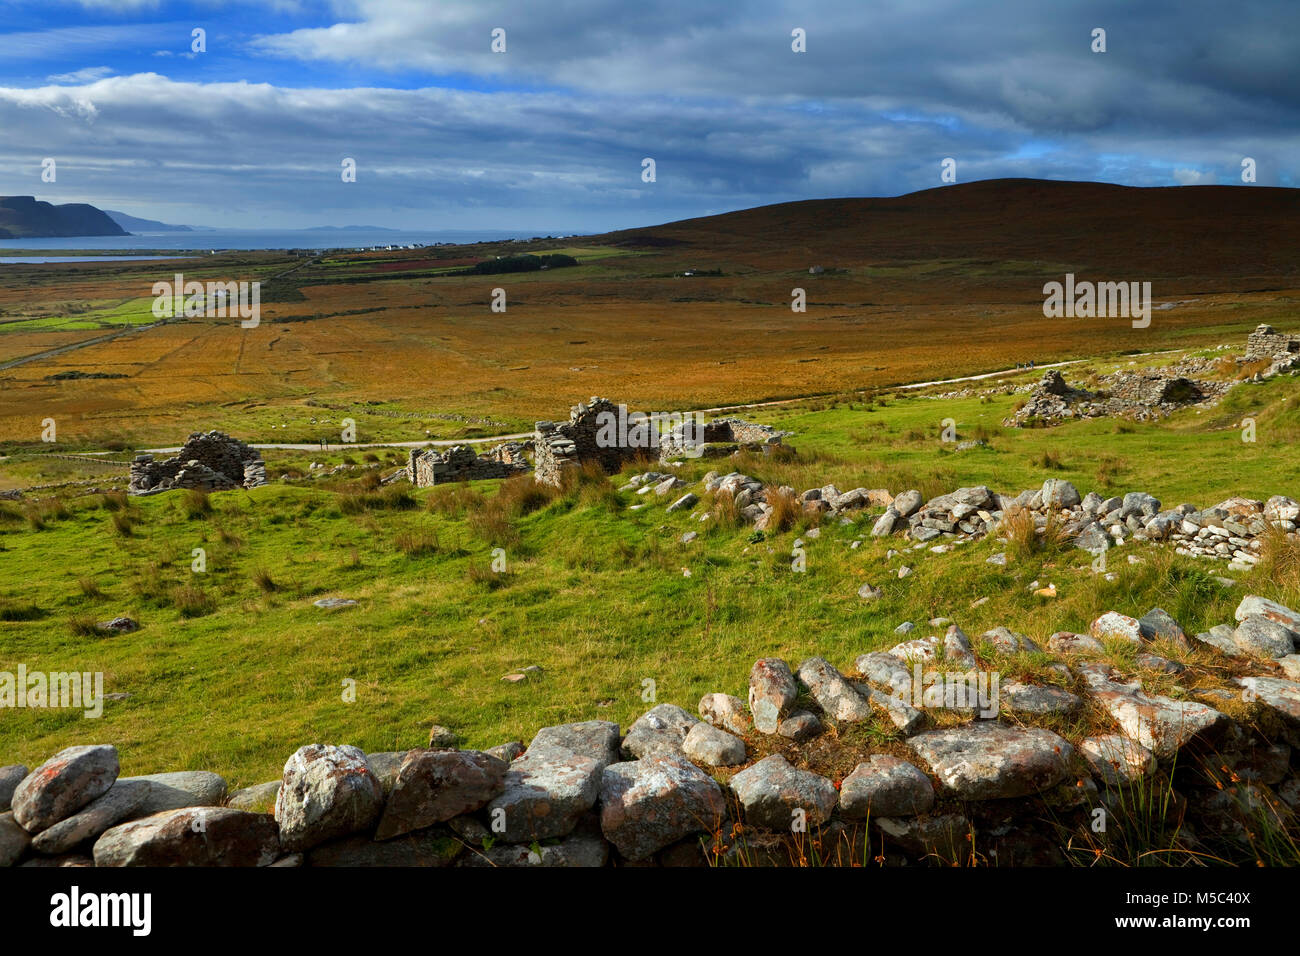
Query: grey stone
x=597, y=739
x=885, y=786
x=547, y=791
x=443, y=738
x=1116, y=760
x=259, y=798
x=121, y=800
x=800, y=726
x=1253, y=604
x=660, y=730
x=727, y=712
x=580, y=850
x=191, y=836
x=907, y=503
x=327, y=792
x=14, y=840
x=772, y=690
x=1260, y=637
x=63, y=785
x=10, y=777
x=433, y=786
x=838, y=698
x=988, y=760
x=1034, y=699
x=717, y=748
x=182, y=788
x=771, y=791
x=1113, y=626
x=646, y=805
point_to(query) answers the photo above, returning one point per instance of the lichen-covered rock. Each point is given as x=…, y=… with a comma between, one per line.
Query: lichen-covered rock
x=660, y=730
x=1161, y=724
x=1280, y=696
x=433, y=786
x=1040, y=700
x=775, y=795
x=1260, y=637
x=1007, y=641
x=598, y=739
x=1067, y=642
x=326, y=792
x=63, y=785
x=885, y=786
x=838, y=698
x=178, y=789
x=1158, y=624
x=1253, y=604
x=710, y=745
x=1116, y=760
x=646, y=805
x=989, y=760
x=259, y=798
x=547, y=791
x=121, y=800
x=945, y=837
x=1113, y=626
x=192, y=836
x=727, y=712
x=801, y=726
x=772, y=691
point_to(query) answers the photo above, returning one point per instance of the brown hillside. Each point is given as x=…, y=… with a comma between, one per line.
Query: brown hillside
x=1164, y=231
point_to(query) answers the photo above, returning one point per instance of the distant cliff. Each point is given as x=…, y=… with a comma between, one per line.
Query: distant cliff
x=136, y=224
x=22, y=217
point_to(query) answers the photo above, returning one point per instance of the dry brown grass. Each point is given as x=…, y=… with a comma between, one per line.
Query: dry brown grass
x=1280, y=558
x=786, y=507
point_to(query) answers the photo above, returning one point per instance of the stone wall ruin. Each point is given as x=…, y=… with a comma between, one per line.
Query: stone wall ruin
x=461, y=463
x=208, y=461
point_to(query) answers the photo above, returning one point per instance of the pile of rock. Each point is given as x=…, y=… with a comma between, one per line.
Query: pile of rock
x=208, y=461
x=462, y=463
x=1265, y=343
x=1143, y=396
x=583, y=794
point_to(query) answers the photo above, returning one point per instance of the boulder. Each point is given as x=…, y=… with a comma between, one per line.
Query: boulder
x=885, y=786
x=121, y=800
x=191, y=836
x=14, y=840
x=547, y=791
x=182, y=788
x=989, y=760
x=598, y=739
x=727, y=712
x=1113, y=626
x=801, y=726
x=646, y=805
x=1253, y=604
x=772, y=691
x=433, y=786
x=327, y=792
x=709, y=745
x=579, y=850
x=1116, y=760
x=838, y=698
x=259, y=798
x=1258, y=636
x=661, y=729
x=10, y=777
x=63, y=785
x=907, y=503
x=774, y=794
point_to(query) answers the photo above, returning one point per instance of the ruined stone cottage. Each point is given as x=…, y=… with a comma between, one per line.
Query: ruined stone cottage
x=1267, y=343
x=208, y=461
x=461, y=463
x=602, y=431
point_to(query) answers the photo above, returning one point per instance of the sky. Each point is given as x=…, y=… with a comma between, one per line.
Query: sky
x=251, y=127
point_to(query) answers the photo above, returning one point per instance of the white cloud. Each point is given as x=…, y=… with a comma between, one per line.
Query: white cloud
x=85, y=75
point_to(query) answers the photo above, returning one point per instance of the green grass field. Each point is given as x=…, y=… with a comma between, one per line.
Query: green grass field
x=234, y=667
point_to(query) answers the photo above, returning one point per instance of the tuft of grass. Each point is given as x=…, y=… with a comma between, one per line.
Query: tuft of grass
x=1279, y=555
x=196, y=504
x=786, y=509
x=83, y=625
x=123, y=524
x=416, y=544
x=190, y=601
x=262, y=578
x=89, y=587
x=113, y=501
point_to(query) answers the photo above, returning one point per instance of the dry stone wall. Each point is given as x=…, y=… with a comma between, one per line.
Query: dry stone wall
x=985, y=771
x=462, y=463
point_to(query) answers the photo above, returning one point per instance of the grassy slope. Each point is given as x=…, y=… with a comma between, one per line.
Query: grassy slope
x=595, y=593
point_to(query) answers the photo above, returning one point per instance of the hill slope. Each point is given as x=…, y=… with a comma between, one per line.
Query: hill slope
x=1137, y=231
x=22, y=217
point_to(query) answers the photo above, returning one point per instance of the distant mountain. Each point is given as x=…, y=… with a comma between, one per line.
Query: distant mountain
x=22, y=217
x=136, y=224
x=350, y=229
